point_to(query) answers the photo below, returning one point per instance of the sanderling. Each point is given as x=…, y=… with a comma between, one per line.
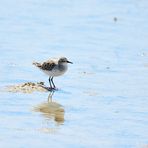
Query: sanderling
x=53, y=68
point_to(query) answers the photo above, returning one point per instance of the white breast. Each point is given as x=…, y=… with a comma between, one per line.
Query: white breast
x=56, y=71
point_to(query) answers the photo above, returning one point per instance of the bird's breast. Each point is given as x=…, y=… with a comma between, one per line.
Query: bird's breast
x=56, y=71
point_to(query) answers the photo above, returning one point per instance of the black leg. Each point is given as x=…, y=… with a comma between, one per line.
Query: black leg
x=52, y=82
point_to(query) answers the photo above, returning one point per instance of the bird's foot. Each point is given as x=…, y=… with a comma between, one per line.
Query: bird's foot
x=48, y=88
x=51, y=88
x=55, y=88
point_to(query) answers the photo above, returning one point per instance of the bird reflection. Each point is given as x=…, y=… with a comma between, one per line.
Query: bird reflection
x=51, y=109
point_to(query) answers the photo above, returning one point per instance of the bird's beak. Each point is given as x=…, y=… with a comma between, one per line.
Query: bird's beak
x=69, y=62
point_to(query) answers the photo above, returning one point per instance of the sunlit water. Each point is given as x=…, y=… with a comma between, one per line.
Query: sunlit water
x=102, y=100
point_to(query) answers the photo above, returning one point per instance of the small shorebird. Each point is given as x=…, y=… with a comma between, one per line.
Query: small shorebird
x=53, y=68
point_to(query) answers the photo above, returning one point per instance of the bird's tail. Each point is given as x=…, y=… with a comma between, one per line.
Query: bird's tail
x=37, y=64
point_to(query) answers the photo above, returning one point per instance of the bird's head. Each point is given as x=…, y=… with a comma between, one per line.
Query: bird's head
x=64, y=60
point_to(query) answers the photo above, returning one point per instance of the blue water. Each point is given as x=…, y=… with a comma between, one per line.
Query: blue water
x=103, y=94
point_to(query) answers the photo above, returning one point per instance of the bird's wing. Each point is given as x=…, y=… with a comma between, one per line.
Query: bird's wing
x=48, y=65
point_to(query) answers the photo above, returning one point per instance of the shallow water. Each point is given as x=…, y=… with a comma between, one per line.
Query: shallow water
x=102, y=100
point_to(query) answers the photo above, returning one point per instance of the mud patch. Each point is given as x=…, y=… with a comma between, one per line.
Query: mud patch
x=28, y=87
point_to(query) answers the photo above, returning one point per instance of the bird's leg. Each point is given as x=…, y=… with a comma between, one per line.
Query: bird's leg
x=52, y=82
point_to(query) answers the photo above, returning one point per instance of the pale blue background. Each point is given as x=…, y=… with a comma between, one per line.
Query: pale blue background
x=105, y=91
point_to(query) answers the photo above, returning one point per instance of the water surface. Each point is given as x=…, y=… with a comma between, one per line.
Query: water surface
x=103, y=96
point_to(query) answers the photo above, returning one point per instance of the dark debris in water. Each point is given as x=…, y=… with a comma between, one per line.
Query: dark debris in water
x=115, y=19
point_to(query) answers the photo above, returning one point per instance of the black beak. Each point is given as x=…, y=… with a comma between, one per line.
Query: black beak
x=69, y=62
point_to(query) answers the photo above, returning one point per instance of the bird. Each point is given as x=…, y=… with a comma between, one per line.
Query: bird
x=53, y=68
